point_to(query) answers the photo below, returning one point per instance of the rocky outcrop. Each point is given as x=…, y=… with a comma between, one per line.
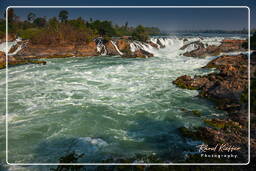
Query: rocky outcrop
x=228, y=89
x=118, y=47
x=224, y=87
x=213, y=50
x=140, y=53
x=188, y=82
x=196, y=44
x=111, y=49
x=160, y=43
x=86, y=49
x=2, y=60
x=57, y=51
x=122, y=44
x=12, y=61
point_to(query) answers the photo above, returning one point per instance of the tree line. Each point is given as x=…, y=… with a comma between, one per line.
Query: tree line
x=61, y=29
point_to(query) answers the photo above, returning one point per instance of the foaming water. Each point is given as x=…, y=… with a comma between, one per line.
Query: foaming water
x=103, y=107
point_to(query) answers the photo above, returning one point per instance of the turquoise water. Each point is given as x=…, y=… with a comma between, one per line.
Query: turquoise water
x=103, y=107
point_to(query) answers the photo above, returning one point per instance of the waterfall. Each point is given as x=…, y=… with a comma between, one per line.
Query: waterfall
x=114, y=44
x=100, y=46
x=10, y=45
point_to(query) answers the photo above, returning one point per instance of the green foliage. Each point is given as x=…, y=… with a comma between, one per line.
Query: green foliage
x=40, y=22
x=63, y=16
x=31, y=17
x=140, y=33
x=29, y=33
x=61, y=30
x=104, y=28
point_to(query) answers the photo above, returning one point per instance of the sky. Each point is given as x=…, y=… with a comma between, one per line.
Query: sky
x=165, y=19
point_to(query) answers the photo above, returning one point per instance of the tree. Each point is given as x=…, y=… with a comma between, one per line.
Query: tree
x=31, y=17
x=63, y=16
x=40, y=22
x=140, y=33
x=126, y=24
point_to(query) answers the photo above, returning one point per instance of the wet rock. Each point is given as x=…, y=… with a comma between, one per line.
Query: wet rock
x=122, y=44
x=197, y=112
x=226, y=87
x=58, y=51
x=197, y=44
x=111, y=49
x=153, y=45
x=160, y=44
x=188, y=82
x=232, y=45
x=201, y=51
x=213, y=50
x=140, y=53
x=86, y=49
x=222, y=124
x=2, y=60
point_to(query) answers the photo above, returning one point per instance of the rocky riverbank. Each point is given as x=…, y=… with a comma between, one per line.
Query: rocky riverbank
x=202, y=50
x=228, y=89
x=23, y=51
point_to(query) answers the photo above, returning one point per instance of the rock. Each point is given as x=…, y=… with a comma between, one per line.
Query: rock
x=213, y=50
x=222, y=124
x=122, y=44
x=2, y=60
x=15, y=47
x=188, y=82
x=140, y=53
x=153, y=44
x=58, y=51
x=86, y=49
x=160, y=44
x=196, y=112
x=225, y=60
x=198, y=44
x=111, y=50
x=232, y=45
x=224, y=88
x=12, y=61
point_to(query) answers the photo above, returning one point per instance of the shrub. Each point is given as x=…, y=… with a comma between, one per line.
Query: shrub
x=29, y=33
x=140, y=34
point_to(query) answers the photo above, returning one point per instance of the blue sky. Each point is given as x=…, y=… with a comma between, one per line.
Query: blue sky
x=165, y=19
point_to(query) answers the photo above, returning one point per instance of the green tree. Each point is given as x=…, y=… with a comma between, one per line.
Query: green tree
x=63, y=16
x=140, y=33
x=31, y=17
x=40, y=22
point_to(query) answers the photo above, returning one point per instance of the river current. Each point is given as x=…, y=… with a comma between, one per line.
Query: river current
x=103, y=107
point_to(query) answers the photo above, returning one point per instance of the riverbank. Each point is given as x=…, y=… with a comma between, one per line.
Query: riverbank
x=228, y=89
x=25, y=51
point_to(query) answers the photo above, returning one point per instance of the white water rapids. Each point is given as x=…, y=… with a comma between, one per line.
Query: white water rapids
x=104, y=107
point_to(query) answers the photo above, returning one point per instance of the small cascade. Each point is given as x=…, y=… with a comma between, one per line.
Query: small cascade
x=136, y=45
x=10, y=45
x=114, y=44
x=101, y=47
x=154, y=40
x=17, y=50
